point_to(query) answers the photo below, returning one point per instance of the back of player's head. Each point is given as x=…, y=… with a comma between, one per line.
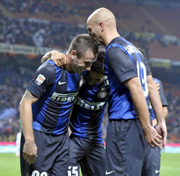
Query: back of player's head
x=98, y=65
x=142, y=51
x=102, y=15
x=82, y=43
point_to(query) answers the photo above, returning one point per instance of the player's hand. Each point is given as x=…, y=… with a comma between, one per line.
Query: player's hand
x=58, y=58
x=152, y=136
x=157, y=85
x=162, y=130
x=30, y=152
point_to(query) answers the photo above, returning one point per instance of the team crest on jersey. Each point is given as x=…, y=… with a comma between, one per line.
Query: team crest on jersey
x=102, y=94
x=40, y=79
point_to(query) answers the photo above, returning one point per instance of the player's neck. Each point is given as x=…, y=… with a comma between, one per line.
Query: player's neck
x=109, y=38
x=68, y=62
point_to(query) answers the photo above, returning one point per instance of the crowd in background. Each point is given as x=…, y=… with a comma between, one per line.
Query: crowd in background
x=47, y=33
x=43, y=32
x=34, y=32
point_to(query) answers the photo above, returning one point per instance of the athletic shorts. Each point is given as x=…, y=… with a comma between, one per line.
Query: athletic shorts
x=52, y=155
x=125, y=148
x=88, y=155
x=151, y=165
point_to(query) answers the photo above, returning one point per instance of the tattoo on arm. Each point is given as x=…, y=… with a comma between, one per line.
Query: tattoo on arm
x=30, y=96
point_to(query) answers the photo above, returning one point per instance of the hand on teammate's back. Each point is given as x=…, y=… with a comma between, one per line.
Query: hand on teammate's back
x=58, y=58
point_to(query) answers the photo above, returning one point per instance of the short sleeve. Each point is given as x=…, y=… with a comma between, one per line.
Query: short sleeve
x=162, y=95
x=44, y=77
x=121, y=63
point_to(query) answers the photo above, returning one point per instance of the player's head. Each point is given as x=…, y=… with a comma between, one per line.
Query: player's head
x=144, y=54
x=83, y=51
x=97, y=69
x=100, y=24
x=142, y=51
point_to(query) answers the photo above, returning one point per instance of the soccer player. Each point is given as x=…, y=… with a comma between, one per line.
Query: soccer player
x=86, y=143
x=46, y=106
x=151, y=165
x=129, y=78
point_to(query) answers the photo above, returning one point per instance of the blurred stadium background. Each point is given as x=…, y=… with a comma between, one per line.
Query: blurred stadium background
x=30, y=28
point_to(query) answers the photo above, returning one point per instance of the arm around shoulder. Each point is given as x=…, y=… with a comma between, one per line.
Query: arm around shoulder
x=58, y=58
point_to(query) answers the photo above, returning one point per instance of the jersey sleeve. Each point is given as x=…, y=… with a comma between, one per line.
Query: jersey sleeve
x=121, y=64
x=162, y=95
x=44, y=77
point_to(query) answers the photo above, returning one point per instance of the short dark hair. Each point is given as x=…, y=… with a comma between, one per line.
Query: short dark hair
x=98, y=65
x=142, y=51
x=83, y=42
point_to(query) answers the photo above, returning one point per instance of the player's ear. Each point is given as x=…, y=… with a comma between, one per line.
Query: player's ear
x=101, y=79
x=101, y=24
x=73, y=54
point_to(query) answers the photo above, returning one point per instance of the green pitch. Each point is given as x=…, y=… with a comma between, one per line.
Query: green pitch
x=170, y=164
x=9, y=164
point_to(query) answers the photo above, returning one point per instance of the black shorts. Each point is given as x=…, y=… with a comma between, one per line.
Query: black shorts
x=125, y=148
x=52, y=155
x=88, y=155
x=151, y=165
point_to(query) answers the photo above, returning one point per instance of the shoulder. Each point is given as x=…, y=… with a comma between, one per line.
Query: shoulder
x=49, y=68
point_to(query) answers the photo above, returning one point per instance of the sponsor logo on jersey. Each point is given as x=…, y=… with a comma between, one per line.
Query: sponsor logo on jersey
x=89, y=105
x=40, y=79
x=60, y=83
x=108, y=173
x=64, y=97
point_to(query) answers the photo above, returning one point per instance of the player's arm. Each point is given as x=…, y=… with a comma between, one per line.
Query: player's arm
x=165, y=111
x=126, y=72
x=158, y=110
x=155, y=99
x=58, y=58
x=43, y=78
x=152, y=137
x=30, y=148
x=46, y=57
x=163, y=100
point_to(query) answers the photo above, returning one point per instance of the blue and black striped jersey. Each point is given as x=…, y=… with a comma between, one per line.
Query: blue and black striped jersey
x=87, y=114
x=162, y=96
x=55, y=89
x=124, y=61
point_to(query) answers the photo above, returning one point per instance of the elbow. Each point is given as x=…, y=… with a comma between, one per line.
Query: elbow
x=21, y=104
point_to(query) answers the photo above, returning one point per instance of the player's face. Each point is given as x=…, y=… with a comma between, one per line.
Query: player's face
x=93, y=78
x=94, y=31
x=84, y=63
